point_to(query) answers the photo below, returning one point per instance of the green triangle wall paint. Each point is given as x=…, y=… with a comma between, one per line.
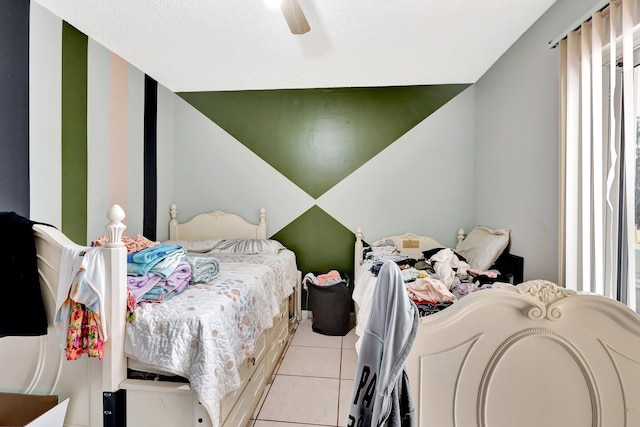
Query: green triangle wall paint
x=320, y=242
x=317, y=137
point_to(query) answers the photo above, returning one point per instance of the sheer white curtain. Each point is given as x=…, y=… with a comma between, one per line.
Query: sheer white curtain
x=597, y=153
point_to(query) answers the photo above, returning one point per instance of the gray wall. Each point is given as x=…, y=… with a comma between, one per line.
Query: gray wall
x=516, y=146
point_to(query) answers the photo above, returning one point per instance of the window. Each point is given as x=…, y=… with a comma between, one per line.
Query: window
x=598, y=153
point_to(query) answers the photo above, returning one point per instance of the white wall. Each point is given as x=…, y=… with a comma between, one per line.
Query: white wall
x=45, y=111
x=98, y=76
x=516, y=146
x=166, y=140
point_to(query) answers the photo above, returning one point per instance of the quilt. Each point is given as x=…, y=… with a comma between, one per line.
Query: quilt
x=207, y=331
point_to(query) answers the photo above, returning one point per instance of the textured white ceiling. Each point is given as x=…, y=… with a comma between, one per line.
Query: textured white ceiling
x=206, y=45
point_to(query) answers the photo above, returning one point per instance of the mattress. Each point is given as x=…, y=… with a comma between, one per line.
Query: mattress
x=207, y=331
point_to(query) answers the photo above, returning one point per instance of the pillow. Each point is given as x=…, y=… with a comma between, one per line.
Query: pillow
x=248, y=246
x=483, y=246
x=200, y=246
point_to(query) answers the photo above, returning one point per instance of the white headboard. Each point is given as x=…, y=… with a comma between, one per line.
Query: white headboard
x=216, y=224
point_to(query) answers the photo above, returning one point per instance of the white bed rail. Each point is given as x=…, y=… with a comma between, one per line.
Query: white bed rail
x=85, y=381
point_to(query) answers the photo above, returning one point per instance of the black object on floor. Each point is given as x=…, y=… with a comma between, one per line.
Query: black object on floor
x=331, y=307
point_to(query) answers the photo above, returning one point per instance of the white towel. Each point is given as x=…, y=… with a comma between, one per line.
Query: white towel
x=86, y=287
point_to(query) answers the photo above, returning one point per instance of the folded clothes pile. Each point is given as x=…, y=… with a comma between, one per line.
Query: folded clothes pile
x=157, y=273
x=160, y=259
x=152, y=287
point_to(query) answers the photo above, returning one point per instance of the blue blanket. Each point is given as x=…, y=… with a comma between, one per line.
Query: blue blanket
x=141, y=262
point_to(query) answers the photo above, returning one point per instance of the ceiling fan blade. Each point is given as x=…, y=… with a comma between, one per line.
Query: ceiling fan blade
x=294, y=16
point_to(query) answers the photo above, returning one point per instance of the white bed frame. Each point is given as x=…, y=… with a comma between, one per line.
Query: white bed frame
x=96, y=387
x=533, y=355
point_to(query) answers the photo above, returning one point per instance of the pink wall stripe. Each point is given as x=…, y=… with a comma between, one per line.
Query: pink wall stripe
x=118, y=131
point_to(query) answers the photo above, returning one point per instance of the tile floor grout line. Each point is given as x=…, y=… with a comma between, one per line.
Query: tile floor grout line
x=310, y=376
x=287, y=422
x=274, y=375
x=277, y=374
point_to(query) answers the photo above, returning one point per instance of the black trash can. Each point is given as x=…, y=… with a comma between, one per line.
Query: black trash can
x=330, y=305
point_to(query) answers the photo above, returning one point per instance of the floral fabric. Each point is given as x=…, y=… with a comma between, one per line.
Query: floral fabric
x=133, y=244
x=83, y=336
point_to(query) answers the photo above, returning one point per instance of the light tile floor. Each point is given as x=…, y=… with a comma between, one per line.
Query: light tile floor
x=313, y=384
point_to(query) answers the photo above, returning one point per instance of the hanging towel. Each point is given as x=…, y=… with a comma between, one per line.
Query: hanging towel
x=81, y=280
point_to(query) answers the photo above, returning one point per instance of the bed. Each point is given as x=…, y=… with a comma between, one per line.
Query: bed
x=258, y=293
x=530, y=354
x=486, y=247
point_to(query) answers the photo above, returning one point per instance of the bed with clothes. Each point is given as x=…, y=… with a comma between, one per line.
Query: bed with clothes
x=488, y=350
x=435, y=275
x=192, y=327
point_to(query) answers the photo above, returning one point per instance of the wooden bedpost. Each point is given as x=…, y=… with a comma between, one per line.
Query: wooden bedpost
x=109, y=373
x=461, y=235
x=173, y=223
x=262, y=226
x=115, y=227
x=357, y=253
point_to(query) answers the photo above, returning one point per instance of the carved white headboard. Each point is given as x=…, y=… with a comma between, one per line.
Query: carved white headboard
x=216, y=224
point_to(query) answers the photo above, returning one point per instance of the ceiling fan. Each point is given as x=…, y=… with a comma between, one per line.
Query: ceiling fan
x=294, y=16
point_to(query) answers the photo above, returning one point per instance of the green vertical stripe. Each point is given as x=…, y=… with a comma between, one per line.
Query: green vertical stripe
x=74, y=134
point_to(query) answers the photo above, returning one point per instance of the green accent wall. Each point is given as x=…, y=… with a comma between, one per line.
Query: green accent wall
x=317, y=137
x=320, y=242
x=74, y=134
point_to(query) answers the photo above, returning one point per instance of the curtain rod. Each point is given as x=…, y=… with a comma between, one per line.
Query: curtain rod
x=598, y=7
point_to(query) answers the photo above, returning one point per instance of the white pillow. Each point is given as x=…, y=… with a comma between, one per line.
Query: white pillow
x=483, y=246
x=200, y=246
x=248, y=246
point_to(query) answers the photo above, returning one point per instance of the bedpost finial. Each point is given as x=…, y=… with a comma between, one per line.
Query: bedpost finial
x=115, y=227
x=263, y=213
x=115, y=214
x=359, y=234
x=173, y=211
x=461, y=235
